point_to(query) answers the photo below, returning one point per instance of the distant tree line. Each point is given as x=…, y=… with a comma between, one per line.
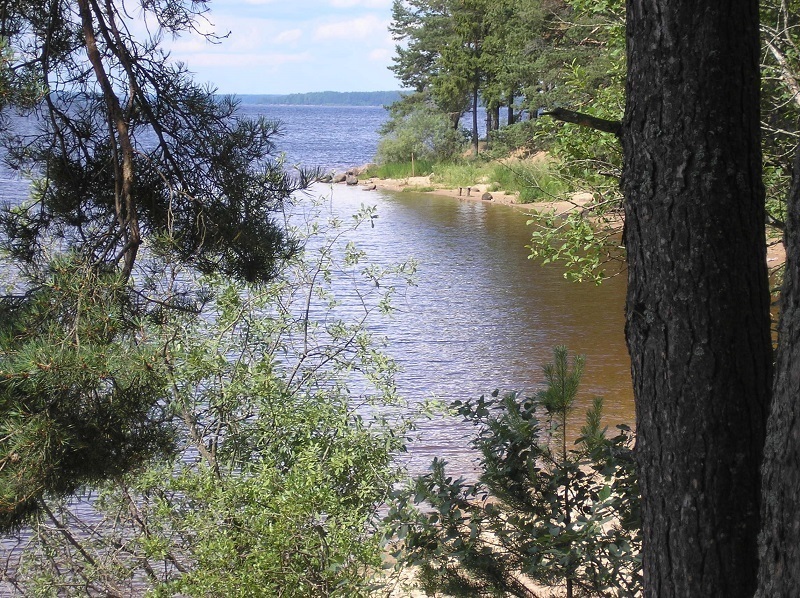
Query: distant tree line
x=326, y=98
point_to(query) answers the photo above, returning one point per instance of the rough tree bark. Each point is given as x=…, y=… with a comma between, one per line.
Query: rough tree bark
x=697, y=315
x=779, y=573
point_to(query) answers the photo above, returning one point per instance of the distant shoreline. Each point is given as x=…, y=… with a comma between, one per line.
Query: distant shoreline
x=324, y=98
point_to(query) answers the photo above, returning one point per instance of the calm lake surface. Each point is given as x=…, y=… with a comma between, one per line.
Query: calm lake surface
x=482, y=315
x=332, y=137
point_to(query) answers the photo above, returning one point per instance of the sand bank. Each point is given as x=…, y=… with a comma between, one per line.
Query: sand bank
x=776, y=255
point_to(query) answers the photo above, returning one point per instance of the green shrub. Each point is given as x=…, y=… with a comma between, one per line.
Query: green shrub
x=534, y=181
x=282, y=467
x=83, y=388
x=516, y=137
x=540, y=511
x=424, y=132
x=401, y=170
x=528, y=195
x=461, y=173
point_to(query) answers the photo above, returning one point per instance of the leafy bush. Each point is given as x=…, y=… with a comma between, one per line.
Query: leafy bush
x=460, y=173
x=518, y=136
x=585, y=247
x=535, y=181
x=540, y=512
x=424, y=132
x=288, y=427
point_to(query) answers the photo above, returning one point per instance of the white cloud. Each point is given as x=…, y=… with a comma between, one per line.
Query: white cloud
x=364, y=3
x=361, y=28
x=247, y=36
x=188, y=45
x=380, y=55
x=238, y=61
x=296, y=45
x=287, y=37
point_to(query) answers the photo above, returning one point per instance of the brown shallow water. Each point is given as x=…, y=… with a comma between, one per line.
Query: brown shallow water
x=484, y=316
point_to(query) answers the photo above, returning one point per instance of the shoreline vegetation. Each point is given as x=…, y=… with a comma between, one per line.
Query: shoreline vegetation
x=365, y=177
x=560, y=207
x=477, y=192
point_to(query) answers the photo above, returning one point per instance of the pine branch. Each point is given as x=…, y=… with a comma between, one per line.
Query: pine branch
x=584, y=120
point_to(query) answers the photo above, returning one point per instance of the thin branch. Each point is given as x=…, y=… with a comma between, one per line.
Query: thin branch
x=126, y=204
x=786, y=73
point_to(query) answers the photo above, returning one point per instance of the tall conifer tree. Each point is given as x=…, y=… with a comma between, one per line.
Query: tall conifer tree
x=129, y=155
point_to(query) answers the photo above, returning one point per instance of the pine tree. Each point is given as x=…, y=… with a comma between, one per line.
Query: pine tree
x=541, y=513
x=135, y=167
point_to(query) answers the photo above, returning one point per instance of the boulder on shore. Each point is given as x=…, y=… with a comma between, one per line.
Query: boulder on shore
x=359, y=170
x=486, y=196
x=350, y=176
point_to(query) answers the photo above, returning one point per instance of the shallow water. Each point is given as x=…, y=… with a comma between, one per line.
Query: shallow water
x=483, y=316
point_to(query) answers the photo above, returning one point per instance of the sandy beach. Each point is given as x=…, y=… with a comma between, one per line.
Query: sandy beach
x=423, y=184
x=776, y=254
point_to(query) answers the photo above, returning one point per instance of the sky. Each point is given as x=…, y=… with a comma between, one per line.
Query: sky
x=292, y=46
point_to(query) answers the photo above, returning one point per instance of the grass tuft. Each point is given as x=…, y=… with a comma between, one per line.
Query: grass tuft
x=401, y=170
x=534, y=181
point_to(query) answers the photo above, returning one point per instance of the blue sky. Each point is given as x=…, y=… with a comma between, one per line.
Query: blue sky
x=290, y=46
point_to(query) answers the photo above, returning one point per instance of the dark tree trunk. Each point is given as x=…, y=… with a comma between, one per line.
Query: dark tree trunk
x=492, y=122
x=698, y=305
x=510, y=112
x=489, y=123
x=780, y=536
x=475, y=120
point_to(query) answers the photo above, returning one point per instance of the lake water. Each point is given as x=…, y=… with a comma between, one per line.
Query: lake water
x=333, y=137
x=482, y=315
